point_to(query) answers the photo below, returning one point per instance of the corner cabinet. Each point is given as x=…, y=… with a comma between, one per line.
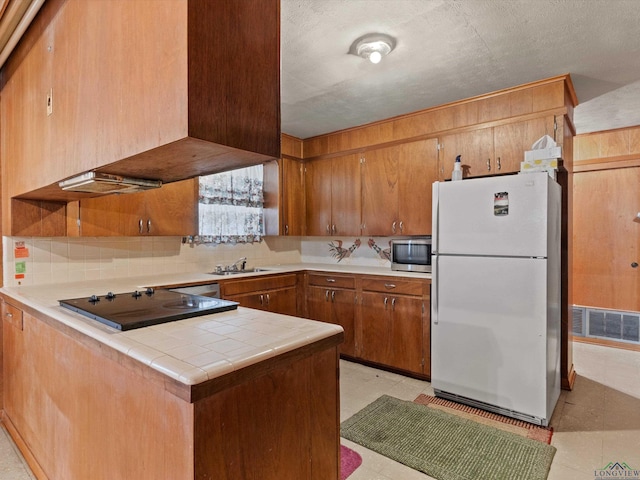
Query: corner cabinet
x=169, y=210
x=396, y=188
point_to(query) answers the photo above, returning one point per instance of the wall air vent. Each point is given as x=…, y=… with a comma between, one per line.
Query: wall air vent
x=104, y=183
x=606, y=324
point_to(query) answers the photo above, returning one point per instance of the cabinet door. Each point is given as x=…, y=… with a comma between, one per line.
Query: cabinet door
x=173, y=209
x=380, y=192
x=281, y=301
x=343, y=311
x=417, y=170
x=476, y=149
x=319, y=304
x=345, y=195
x=318, y=197
x=375, y=327
x=511, y=141
x=293, y=197
x=406, y=333
x=169, y=210
x=606, y=239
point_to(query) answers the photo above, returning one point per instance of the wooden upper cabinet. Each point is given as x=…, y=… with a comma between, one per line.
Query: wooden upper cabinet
x=510, y=141
x=396, y=183
x=169, y=210
x=475, y=148
x=333, y=200
x=163, y=90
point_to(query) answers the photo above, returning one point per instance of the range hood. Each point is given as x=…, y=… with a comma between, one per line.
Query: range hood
x=105, y=183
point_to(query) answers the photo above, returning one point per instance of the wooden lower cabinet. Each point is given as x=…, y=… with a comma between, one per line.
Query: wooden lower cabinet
x=79, y=410
x=392, y=322
x=273, y=293
x=386, y=320
x=332, y=299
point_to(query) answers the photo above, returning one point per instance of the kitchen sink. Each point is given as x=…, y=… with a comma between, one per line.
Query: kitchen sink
x=237, y=272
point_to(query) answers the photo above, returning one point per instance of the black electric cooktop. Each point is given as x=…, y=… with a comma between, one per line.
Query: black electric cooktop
x=126, y=311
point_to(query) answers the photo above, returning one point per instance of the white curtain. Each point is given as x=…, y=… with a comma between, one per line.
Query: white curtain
x=230, y=206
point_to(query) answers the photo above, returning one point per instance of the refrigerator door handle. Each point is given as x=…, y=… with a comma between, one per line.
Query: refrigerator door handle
x=434, y=216
x=434, y=289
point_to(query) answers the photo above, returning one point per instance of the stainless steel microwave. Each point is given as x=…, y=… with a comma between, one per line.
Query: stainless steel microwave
x=411, y=254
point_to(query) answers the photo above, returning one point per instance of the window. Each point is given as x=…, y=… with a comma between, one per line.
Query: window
x=230, y=206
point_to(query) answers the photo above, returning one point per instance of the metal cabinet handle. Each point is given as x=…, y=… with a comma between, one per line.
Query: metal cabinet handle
x=328, y=228
x=8, y=315
x=386, y=300
x=393, y=303
x=268, y=299
x=331, y=280
x=333, y=228
x=401, y=226
x=326, y=296
x=498, y=163
x=286, y=229
x=488, y=164
x=149, y=226
x=261, y=299
x=389, y=285
x=140, y=225
x=393, y=227
x=333, y=295
x=634, y=265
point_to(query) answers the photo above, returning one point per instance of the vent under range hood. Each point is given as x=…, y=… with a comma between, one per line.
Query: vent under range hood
x=105, y=183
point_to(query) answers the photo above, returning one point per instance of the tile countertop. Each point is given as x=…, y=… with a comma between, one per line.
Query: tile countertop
x=197, y=349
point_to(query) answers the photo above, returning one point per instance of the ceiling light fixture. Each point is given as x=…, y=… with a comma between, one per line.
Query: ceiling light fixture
x=373, y=46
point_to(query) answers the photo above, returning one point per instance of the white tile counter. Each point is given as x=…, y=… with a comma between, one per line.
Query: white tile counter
x=190, y=351
x=198, y=349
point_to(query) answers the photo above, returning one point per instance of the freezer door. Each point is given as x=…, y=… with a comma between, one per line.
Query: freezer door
x=505, y=215
x=489, y=332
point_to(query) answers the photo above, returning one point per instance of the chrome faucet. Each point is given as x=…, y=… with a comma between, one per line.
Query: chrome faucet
x=241, y=261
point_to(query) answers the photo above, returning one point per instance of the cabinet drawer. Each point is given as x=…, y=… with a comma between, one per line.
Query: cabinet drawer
x=257, y=284
x=12, y=315
x=333, y=281
x=393, y=285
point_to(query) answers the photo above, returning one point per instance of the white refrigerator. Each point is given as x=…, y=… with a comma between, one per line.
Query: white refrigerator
x=495, y=299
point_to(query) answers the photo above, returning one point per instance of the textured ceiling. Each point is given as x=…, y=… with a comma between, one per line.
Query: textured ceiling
x=449, y=50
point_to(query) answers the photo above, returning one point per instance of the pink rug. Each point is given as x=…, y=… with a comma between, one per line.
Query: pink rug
x=349, y=461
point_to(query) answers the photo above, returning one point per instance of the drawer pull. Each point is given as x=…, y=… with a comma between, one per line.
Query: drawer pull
x=9, y=315
x=389, y=285
x=331, y=280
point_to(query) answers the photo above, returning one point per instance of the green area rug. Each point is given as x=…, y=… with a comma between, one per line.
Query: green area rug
x=446, y=446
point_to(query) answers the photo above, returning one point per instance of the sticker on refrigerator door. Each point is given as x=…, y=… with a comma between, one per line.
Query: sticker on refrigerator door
x=501, y=204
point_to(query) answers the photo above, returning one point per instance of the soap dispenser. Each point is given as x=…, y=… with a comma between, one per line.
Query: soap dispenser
x=457, y=170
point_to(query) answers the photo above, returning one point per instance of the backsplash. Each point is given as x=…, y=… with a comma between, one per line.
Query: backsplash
x=41, y=261
x=62, y=259
x=362, y=251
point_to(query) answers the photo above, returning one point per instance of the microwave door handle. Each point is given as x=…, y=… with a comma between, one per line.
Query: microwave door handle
x=434, y=289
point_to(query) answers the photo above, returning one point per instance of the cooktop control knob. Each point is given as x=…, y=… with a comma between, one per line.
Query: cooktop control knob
x=94, y=299
x=136, y=294
x=149, y=291
x=110, y=296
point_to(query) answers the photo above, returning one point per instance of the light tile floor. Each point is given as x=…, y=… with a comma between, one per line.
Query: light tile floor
x=596, y=423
